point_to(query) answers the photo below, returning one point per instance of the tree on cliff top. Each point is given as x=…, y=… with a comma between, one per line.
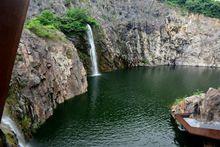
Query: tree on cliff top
x=72, y=23
x=209, y=8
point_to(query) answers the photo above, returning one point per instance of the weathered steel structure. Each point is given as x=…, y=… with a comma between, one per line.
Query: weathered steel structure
x=12, y=17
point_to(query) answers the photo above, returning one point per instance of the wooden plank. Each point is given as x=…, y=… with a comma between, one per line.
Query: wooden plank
x=210, y=133
x=12, y=17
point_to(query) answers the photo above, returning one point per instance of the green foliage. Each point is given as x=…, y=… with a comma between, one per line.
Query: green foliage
x=48, y=18
x=67, y=2
x=198, y=92
x=73, y=22
x=178, y=101
x=209, y=8
x=45, y=25
x=44, y=31
x=26, y=123
x=146, y=61
x=69, y=53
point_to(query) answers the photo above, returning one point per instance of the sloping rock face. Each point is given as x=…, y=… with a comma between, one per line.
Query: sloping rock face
x=46, y=73
x=36, y=6
x=210, y=108
x=204, y=107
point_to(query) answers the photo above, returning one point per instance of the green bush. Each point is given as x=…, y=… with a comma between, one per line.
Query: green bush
x=48, y=18
x=209, y=8
x=45, y=25
x=179, y=100
x=73, y=22
x=198, y=92
x=26, y=124
x=45, y=31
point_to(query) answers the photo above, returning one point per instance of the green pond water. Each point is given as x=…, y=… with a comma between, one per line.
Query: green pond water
x=127, y=108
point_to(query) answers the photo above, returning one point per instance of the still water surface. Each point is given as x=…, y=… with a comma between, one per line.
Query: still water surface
x=127, y=108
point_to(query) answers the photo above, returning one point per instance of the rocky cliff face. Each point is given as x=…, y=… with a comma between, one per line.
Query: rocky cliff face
x=147, y=33
x=46, y=73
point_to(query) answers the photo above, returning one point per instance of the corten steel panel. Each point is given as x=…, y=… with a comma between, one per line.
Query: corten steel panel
x=12, y=17
x=210, y=133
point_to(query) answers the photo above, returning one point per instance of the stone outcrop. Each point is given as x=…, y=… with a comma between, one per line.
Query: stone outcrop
x=210, y=107
x=36, y=6
x=203, y=107
x=46, y=73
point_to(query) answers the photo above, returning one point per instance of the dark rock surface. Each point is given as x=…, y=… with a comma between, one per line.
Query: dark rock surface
x=46, y=73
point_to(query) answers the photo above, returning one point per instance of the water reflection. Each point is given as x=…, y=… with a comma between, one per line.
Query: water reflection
x=93, y=90
x=127, y=108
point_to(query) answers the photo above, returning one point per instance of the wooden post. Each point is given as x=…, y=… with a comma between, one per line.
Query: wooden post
x=12, y=17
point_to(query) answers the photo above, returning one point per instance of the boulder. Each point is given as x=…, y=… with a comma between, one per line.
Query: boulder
x=202, y=107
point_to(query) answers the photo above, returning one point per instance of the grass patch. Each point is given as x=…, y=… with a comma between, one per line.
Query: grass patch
x=69, y=53
x=198, y=93
x=45, y=25
x=44, y=31
x=179, y=100
x=209, y=8
x=146, y=61
x=26, y=124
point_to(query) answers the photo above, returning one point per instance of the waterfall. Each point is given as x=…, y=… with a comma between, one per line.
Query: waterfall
x=92, y=52
x=8, y=122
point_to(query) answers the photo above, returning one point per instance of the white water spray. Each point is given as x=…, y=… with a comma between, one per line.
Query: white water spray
x=8, y=122
x=93, y=56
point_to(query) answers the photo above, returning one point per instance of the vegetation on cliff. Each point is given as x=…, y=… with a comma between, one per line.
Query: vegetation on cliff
x=209, y=8
x=72, y=23
x=181, y=99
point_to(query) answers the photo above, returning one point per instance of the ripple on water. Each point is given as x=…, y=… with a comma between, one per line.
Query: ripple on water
x=125, y=108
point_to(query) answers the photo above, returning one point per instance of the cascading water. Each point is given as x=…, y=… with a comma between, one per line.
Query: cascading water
x=8, y=122
x=93, y=56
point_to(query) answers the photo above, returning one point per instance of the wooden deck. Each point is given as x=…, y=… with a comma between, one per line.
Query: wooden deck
x=210, y=133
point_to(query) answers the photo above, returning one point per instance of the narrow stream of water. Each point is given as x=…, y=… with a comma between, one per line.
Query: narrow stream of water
x=127, y=108
x=92, y=52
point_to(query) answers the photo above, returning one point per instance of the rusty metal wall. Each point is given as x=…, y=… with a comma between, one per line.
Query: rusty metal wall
x=12, y=17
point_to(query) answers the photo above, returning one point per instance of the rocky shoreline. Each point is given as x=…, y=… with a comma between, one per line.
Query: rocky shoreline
x=204, y=107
